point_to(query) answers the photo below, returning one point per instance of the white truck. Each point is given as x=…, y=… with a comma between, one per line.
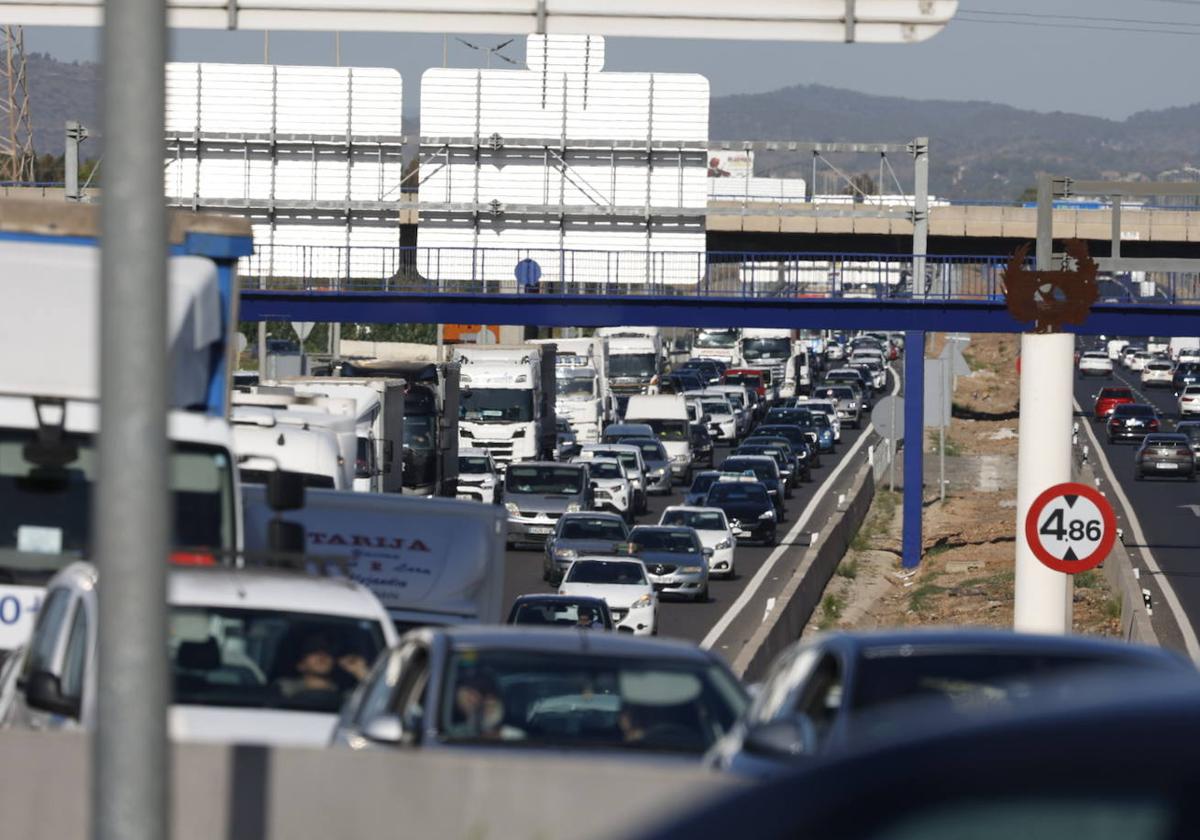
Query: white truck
x=717, y=344
x=430, y=416
x=767, y=349
x=379, y=402
x=581, y=376
x=265, y=441
x=429, y=561
x=50, y=390
x=1181, y=346
x=635, y=358
x=506, y=401
x=667, y=415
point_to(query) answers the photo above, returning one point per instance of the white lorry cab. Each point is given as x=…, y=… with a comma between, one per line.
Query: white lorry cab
x=635, y=358
x=257, y=656
x=506, y=401
x=719, y=344
x=667, y=415
x=767, y=349
x=428, y=560
x=49, y=394
x=264, y=443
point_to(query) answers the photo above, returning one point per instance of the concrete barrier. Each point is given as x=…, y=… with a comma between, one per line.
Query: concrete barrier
x=799, y=598
x=255, y=793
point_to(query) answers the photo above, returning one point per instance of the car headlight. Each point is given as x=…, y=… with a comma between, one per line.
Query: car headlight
x=646, y=600
x=769, y=514
x=690, y=570
x=566, y=553
x=724, y=544
x=658, y=473
x=512, y=508
x=574, y=507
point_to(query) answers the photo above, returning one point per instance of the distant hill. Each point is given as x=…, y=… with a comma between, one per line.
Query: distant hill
x=978, y=150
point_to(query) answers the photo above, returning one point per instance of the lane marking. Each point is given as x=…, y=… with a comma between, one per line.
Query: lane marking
x=767, y=611
x=760, y=577
x=1177, y=611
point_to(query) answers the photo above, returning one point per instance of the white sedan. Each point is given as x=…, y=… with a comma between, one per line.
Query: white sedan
x=612, y=489
x=1095, y=364
x=1189, y=401
x=713, y=529
x=623, y=584
x=1158, y=372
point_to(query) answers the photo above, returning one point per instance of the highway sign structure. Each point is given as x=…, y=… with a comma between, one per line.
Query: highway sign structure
x=1071, y=528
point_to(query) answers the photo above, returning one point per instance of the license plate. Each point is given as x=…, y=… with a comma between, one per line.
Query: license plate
x=539, y=530
x=1167, y=466
x=843, y=414
x=466, y=497
x=737, y=532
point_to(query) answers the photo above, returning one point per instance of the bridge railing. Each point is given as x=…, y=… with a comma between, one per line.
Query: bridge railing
x=664, y=273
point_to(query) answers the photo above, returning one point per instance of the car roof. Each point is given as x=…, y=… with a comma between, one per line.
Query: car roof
x=692, y=509
x=540, y=640
x=590, y=514
x=271, y=589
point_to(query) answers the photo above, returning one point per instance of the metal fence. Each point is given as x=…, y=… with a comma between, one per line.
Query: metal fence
x=664, y=273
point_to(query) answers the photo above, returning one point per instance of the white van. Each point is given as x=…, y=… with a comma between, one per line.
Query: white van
x=668, y=415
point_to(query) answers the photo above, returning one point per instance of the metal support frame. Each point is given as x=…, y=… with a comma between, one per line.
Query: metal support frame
x=131, y=776
x=920, y=212
x=75, y=135
x=914, y=446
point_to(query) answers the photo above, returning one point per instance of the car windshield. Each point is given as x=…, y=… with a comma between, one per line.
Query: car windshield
x=635, y=365
x=607, y=572
x=1190, y=430
x=593, y=528
x=48, y=510
x=526, y=698
x=661, y=539
x=606, y=469
x=544, y=480
x=1133, y=410
x=758, y=348
x=743, y=379
x=473, y=464
x=958, y=678
x=722, y=340
x=223, y=656
x=737, y=491
x=1166, y=440
x=557, y=613
x=762, y=469
x=496, y=405
x=575, y=386
x=737, y=399
x=701, y=483
x=652, y=450
x=667, y=429
x=701, y=520
x=715, y=407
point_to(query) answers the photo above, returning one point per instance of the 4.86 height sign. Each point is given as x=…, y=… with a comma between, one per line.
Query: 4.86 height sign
x=1071, y=528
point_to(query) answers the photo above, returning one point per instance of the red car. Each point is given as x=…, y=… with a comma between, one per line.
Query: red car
x=751, y=377
x=1108, y=399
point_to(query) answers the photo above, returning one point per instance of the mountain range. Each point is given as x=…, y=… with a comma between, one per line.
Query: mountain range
x=978, y=150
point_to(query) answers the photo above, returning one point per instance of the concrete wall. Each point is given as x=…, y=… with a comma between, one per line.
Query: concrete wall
x=249, y=793
x=796, y=603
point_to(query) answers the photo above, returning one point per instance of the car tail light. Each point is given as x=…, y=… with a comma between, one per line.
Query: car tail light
x=1153, y=424
x=1183, y=452
x=192, y=558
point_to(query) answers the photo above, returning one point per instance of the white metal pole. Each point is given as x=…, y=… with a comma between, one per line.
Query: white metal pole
x=1043, y=459
x=130, y=772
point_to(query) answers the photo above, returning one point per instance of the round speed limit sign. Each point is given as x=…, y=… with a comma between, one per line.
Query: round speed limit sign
x=1071, y=528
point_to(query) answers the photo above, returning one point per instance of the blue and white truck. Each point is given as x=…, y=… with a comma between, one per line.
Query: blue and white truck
x=50, y=390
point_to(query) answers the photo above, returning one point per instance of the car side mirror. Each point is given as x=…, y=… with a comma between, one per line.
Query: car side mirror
x=708, y=552
x=384, y=729
x=43, y=691
x=791, y=736
x=285, y=490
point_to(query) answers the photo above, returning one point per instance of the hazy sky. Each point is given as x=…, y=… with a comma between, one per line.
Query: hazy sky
x=1101, y=57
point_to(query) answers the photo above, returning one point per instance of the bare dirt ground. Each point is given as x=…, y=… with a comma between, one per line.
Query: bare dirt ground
x=966, y=573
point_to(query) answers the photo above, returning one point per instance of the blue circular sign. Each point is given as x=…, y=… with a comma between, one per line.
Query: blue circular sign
x=528, y=272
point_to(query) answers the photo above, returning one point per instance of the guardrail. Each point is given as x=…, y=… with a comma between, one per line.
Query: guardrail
x=660, y=273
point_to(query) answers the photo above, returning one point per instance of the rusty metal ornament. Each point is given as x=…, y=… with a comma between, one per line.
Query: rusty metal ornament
x=1051, y=298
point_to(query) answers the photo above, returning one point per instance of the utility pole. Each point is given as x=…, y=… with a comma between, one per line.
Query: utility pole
x=75, y=135
x=1041, y=602
x=16, y=140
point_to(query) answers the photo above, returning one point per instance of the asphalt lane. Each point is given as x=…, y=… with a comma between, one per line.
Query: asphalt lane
x=685, y=619
x=1168, y=509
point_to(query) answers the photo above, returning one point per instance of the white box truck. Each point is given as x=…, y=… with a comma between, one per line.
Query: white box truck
x=506, y=401
x=429, y=561
x=581, y=373
x=767, y=349
x=49, y=382
x=717, y=344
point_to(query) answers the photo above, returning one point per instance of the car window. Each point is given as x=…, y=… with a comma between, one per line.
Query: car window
x=595, y=528
x=822, y=697
x=700, y=520
x=607, y=572
x=409, y=699
x=675, y=542
x=72, y=672
x=378, y=695
x=46, y=632
x=733, y=491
